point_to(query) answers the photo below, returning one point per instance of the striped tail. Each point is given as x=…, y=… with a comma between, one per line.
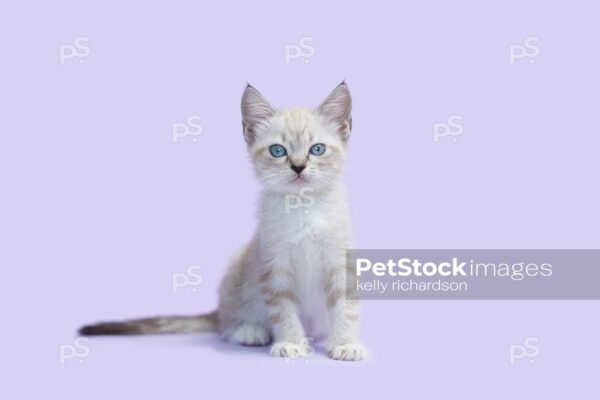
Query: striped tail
x=159, y=325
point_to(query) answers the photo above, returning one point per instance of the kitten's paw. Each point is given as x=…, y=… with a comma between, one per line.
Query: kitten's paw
x=289, y=349
x=348, y=352
x=250, y=335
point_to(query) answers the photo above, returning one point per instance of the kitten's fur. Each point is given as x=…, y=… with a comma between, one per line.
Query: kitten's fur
x=289, y=281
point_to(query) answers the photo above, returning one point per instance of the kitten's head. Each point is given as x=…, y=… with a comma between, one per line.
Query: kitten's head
x=296, y=148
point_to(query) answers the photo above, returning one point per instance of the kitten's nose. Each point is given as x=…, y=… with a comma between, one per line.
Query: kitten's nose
x=298, y=168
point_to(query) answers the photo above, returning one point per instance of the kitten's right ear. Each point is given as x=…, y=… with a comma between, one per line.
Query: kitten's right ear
x=256, y=110
x=337, y=107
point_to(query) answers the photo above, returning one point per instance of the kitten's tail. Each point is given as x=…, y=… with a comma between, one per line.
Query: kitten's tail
x=158, y=325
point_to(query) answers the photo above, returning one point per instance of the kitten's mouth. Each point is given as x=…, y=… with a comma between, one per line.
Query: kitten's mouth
x=299, y=179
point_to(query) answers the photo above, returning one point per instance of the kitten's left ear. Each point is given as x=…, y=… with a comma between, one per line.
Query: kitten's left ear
x=256, y=110
x=337, y=108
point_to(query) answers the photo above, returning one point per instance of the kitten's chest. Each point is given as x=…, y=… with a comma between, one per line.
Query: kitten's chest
x=303, y=245
x=309, y=271
x=289, y=219
x=310, y=241
x=306, y=224
x=302, y=226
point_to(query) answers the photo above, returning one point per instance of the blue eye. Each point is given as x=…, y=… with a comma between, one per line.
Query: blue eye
x=317, y=149
x=277, y=150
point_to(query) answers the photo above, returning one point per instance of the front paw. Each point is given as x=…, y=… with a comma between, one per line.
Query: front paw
x=289, y=349
x=348, y=352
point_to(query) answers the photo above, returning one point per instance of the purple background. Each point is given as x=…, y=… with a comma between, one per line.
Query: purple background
x=100, y=207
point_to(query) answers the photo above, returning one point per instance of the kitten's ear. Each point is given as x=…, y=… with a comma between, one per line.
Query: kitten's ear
x=255, y=110
x=337, y=108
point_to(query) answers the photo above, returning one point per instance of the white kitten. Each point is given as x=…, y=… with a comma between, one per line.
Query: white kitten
x=290, y=280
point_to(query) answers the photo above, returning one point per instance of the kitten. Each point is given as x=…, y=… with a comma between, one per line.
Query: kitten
x=290, y=280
